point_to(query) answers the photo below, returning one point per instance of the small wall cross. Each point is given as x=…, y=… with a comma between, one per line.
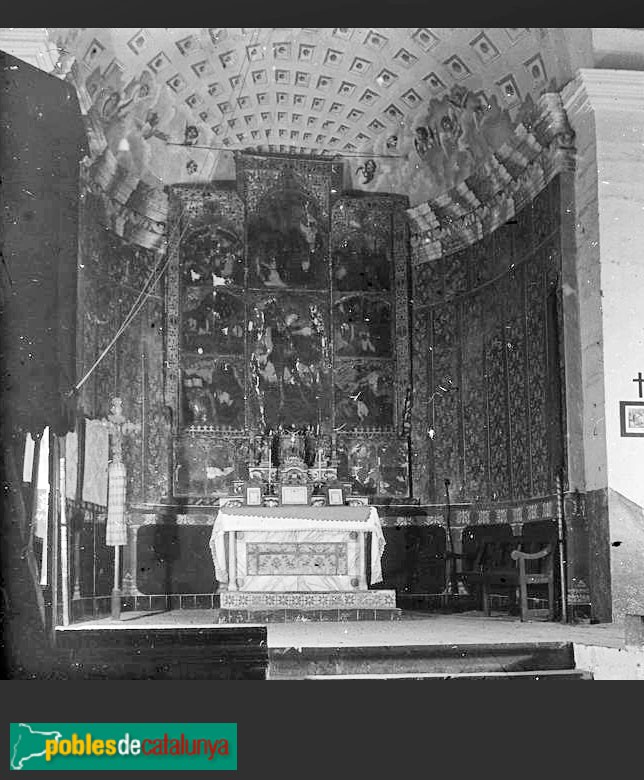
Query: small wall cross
x=640, y=381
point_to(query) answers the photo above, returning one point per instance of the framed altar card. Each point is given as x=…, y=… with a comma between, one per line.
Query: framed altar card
x=336, y=496
x=294, y=494
x=253, y=495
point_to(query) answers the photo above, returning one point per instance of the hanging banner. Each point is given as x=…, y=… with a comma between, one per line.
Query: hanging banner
x=116, y=531
x=71, y=467
x=42, y=486
x=96, y=457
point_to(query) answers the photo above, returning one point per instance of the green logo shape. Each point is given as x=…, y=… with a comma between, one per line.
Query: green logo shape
x=110, y=746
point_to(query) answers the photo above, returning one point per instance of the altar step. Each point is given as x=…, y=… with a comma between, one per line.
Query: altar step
x=305, y=616
x=325, y=606
x=241, y=653
x=431, y=662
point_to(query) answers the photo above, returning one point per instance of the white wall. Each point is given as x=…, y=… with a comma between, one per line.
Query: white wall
x=620, y=162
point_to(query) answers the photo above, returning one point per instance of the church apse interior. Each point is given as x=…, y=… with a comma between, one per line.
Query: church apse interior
x=346, y=262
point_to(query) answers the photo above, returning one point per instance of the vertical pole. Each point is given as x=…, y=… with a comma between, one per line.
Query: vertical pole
x=232, y=561
x=94, y=555
x=116, y=592
x=452, y=578
x=64, y=540
x=362, y=576
x=78, y=533
x=270, y=466
x=561, y=530
x=523, y=587
x=76, y=527
x=77, y=564
x=53, y=533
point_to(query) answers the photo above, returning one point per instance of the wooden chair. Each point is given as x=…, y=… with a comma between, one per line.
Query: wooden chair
x=513, y=563
x=544, y=576
x=493, y=567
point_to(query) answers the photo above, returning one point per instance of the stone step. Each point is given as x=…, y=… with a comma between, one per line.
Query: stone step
x=200, y=653
x=547, y=674
x=303, y=662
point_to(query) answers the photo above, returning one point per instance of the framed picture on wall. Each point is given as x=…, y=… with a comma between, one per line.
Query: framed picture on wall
x=632, y=418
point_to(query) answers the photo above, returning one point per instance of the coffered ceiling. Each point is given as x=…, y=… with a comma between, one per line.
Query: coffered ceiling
x=171, y=104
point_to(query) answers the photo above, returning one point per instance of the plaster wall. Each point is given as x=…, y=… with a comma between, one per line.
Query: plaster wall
x=620, y=163
x=610, y=663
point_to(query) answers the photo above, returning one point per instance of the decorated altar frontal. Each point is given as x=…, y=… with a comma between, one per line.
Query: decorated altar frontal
x=299, y=558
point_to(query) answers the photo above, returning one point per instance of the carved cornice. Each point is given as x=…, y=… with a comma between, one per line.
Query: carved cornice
x=501, y=185
x=134, y=210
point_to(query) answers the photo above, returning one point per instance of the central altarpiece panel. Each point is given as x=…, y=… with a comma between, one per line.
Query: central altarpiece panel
x=287, y=313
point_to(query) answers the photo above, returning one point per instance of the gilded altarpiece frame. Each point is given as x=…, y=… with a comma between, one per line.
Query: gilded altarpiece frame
x=254, y=307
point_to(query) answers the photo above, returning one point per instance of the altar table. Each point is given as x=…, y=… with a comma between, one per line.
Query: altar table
x=296, y=548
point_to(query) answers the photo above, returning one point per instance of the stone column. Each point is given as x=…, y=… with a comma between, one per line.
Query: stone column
x=604, y=293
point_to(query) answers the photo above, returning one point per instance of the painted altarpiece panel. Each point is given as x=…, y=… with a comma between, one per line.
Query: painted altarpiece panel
x=269, y=322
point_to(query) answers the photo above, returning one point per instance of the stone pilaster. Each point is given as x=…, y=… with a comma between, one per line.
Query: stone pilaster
x=603, y=285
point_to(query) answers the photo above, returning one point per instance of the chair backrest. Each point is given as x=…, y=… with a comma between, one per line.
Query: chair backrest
x=535, y=536
x=481, y=542
x=495, y=553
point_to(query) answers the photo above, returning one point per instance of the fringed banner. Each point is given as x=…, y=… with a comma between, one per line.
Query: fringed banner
x=116, y=531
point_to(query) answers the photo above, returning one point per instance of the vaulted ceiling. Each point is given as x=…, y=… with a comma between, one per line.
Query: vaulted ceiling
x=172, y=103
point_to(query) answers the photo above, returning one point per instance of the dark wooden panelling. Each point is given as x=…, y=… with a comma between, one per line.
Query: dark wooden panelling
x=492, y=318
x=174, y=559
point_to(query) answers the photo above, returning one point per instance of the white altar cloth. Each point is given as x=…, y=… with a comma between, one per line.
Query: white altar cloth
x=363, y=519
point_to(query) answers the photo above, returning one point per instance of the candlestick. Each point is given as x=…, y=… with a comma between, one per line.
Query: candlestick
x=270, y=460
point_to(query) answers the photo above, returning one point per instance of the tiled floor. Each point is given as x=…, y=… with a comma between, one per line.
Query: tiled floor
x=414, y=629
